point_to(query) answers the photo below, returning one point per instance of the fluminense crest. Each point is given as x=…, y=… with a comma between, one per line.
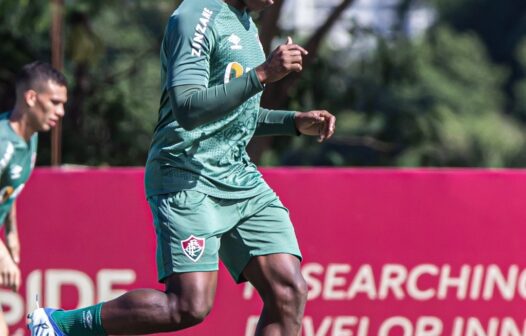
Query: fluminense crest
x=193, y=247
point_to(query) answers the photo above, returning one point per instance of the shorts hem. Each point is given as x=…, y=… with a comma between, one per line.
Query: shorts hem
x=193, y=269
x=238, y=278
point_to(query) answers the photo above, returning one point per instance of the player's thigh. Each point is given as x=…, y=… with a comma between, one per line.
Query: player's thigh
x=188, y=226
x=193, y=288
x=265, y=232
x=275, y=274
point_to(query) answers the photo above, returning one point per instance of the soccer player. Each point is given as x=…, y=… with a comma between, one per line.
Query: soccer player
x=40, y=97
x=207, y=198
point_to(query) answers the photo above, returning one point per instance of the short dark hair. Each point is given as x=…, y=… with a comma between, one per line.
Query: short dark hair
x=34, y=75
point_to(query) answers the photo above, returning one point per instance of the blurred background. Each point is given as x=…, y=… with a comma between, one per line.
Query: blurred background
x=412, y=82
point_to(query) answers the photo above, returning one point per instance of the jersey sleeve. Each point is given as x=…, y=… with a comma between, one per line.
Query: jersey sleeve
x=7, y=149
x=189, y=40
x=276, y=122
x=34, y=147
x=194, y=106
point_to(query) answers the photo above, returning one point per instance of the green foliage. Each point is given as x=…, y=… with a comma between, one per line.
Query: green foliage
x=24, y=32
x=112, y=66
x=435, y=101
x=455, y=96
x=501, y=27
x=114, y=59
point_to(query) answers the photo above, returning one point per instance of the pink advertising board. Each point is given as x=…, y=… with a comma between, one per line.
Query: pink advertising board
x=386, y=252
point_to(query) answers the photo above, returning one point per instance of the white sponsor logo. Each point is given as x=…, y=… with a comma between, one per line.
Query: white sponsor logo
x=200, y=30
x=235, y=40
x=16, y=172
x=9, y=151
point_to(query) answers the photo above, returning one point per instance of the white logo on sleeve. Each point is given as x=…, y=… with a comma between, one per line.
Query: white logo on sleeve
x=16, y=172
x=235, y=41
x=9, y=151
x=198, y=41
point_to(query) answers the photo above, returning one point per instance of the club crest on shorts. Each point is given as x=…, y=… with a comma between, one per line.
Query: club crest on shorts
x=193, y=247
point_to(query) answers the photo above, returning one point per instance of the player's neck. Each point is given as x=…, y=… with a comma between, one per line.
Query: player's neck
x=20, y=125
x=236, y=4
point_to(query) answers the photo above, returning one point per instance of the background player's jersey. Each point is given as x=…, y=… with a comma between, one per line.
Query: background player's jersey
x=17, y=159
x=207, y=43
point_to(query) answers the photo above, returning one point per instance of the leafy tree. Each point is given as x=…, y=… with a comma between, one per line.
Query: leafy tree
x=111, y=62
x=113, y=56
x=500, y=25
x=451, y=97
x=435, y=101
x=24, y=27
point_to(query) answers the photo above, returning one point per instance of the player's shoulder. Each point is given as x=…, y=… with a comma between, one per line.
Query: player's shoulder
x=199, y=8
x=7, y=137
x=193, y=16
x=7, y=146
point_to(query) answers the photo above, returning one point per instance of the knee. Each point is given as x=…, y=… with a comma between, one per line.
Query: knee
x=291, y=294
x=194, y=314
x=190, y=311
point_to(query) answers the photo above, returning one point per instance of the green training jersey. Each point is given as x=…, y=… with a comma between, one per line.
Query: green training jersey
x=207, y=43
x=17, y=159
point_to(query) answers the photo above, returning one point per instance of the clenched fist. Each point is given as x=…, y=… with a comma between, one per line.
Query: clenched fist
x=283, y=60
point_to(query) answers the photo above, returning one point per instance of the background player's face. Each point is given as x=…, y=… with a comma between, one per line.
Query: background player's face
x=257, y=5
x=47, y=106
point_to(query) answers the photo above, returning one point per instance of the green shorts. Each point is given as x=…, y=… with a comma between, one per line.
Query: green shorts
x=194, y=230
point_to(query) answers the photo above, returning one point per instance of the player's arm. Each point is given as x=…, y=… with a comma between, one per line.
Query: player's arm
x=284, y=59
x=314, y=123
x=9, y=271
x=11, y=234
x=319, y=123
x=188, y=51
x=276, y=122
x=193, y=102
x=195, y=105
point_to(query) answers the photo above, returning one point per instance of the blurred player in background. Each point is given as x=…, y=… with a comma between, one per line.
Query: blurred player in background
x=208, y=200
x=40, y=97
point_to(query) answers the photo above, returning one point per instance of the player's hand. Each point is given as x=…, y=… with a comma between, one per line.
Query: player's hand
x=318, y=123
x=283, y=60
x=9, y=273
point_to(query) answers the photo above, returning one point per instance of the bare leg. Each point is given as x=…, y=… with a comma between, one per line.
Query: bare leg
x=187, y=301
x=278, y=280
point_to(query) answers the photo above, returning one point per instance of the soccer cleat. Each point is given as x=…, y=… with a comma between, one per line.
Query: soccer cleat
x=41, y=324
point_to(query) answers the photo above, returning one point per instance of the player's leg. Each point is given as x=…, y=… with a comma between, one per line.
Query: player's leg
x=185, y=225
x=188, y=228
x=187, y=301
x=263, y=250
x=278, y=280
